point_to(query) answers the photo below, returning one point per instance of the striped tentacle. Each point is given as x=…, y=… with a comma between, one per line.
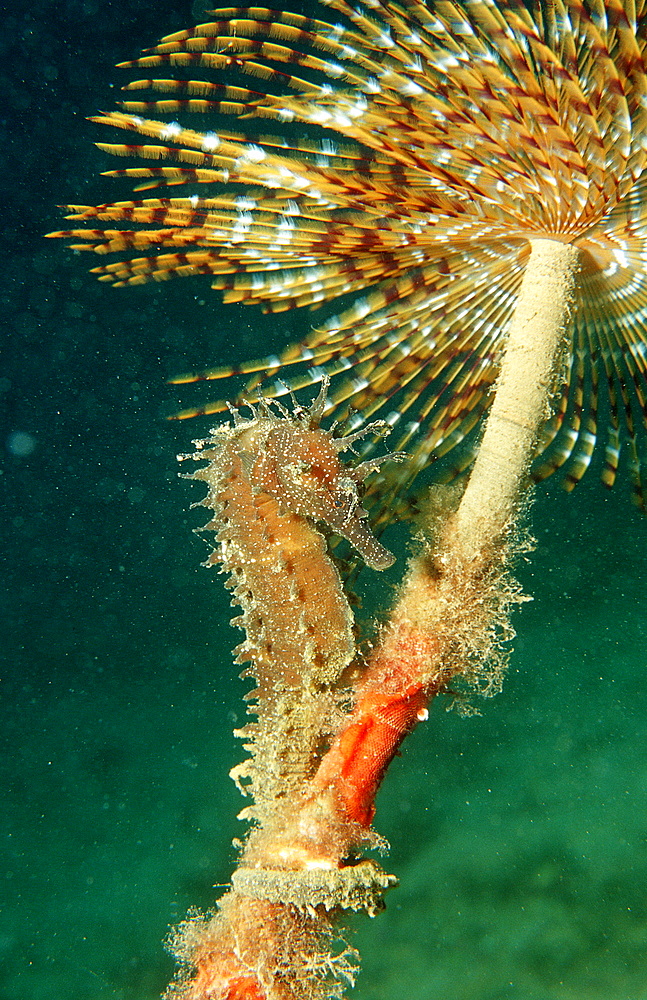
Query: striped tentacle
x=583, y=420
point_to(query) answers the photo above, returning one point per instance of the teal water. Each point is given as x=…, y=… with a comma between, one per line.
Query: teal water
x=519, y=836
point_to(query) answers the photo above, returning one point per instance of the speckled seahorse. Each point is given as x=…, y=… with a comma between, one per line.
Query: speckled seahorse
x=272, y=478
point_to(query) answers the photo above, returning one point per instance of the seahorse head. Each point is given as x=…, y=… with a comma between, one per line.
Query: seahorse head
x=299, y=465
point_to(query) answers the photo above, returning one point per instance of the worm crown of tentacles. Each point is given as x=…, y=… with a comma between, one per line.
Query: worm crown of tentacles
x=413, y=152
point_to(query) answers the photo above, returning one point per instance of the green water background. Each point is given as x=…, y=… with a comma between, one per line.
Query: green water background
x=519, y=837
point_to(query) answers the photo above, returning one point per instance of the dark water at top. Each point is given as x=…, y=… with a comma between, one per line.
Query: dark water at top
x=519, y=836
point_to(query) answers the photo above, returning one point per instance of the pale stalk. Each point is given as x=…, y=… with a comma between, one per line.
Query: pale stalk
x=533, y=355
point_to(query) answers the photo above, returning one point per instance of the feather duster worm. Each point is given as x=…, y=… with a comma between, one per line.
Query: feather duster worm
x=486, y=204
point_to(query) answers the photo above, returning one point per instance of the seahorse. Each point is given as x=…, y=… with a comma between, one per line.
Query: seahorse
x=272, y=478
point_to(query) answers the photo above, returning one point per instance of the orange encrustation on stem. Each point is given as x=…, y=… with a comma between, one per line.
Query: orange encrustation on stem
x=357, y=761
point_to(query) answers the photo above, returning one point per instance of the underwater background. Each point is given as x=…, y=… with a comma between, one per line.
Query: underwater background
x=519, y=836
